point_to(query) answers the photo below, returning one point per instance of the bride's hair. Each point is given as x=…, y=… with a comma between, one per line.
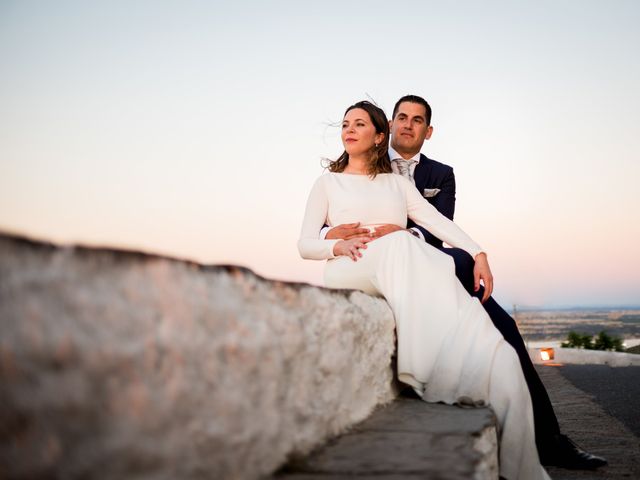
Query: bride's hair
x=380, y=161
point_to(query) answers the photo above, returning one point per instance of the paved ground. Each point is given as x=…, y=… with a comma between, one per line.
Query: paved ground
x=408, y=439
x=392, y=444
x=616, y=390
x=590, y=426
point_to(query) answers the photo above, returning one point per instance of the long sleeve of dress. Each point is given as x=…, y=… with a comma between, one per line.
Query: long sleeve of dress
x=315, y=216
x=427, y=216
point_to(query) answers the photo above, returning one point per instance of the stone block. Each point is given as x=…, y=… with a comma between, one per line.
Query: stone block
x=117, y=364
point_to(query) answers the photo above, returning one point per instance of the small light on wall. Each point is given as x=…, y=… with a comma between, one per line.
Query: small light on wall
x=546, y=354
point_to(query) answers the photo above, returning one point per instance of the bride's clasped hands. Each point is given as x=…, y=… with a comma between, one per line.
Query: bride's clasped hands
x=352, y=238
x=351, y=248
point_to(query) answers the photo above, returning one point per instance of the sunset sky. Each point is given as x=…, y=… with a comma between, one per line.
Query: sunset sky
x=196, y=129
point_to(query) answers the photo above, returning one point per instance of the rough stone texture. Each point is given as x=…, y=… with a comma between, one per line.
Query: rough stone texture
x=593, y=429
x=125, y=365
x=408, y=439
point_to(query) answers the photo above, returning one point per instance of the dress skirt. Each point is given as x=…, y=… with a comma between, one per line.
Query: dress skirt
x=448, y=349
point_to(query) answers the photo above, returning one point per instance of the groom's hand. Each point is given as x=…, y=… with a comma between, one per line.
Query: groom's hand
x=386, y=229
x=346, y=231
x=481, y=271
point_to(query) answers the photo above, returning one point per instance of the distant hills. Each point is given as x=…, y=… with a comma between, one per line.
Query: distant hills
x=555, y=324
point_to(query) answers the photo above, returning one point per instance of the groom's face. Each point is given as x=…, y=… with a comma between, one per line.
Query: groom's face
x=409, y=128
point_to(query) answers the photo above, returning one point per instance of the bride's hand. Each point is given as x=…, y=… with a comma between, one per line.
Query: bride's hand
x=351, y=248
x=481, y=271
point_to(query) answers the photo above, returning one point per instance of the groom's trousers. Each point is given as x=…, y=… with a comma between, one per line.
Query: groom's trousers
x=545, y=421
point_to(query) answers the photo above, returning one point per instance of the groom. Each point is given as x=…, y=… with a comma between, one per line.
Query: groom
x=410, y=127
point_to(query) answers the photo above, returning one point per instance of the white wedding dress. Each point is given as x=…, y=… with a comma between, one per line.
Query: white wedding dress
x=448, y=349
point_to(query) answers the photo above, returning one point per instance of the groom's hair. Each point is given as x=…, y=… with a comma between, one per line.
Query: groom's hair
x=414, y=99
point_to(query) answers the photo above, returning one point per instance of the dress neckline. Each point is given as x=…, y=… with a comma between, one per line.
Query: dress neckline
x=365, y=175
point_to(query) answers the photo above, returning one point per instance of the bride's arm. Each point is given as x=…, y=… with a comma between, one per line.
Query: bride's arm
x=426, y=215
x=315, y=216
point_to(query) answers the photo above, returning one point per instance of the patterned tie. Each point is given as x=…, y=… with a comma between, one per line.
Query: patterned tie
x=404, y=167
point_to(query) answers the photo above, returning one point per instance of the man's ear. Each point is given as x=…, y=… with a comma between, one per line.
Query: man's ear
x=390, y=124
x=429, y=132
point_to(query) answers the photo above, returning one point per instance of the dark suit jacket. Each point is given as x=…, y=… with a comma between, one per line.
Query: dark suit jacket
x=431, y=174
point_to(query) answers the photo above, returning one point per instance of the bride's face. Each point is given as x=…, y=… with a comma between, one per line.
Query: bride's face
x=358, y=132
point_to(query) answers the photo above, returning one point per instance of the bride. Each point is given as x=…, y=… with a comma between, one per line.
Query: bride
x=448, y=349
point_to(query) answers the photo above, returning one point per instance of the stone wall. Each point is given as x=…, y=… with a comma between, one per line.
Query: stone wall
x=579, y=356
x=119, y=364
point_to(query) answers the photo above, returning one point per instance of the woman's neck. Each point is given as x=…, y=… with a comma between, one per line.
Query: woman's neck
x=357, y=165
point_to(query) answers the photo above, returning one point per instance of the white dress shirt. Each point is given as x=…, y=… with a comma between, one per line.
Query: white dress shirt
x=393, y=155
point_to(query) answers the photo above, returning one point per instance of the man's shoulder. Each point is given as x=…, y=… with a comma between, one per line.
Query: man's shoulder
x=435, y=166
